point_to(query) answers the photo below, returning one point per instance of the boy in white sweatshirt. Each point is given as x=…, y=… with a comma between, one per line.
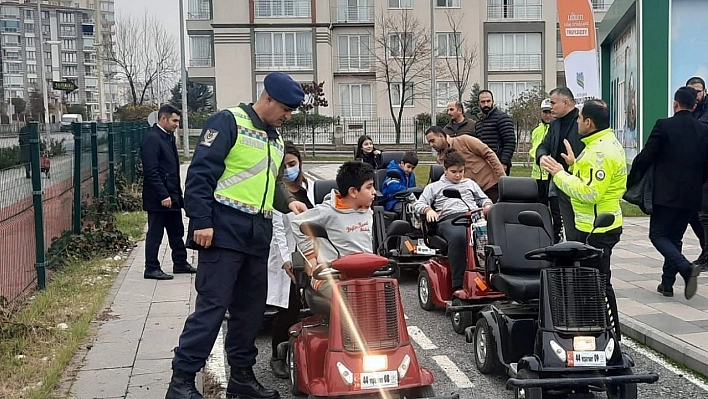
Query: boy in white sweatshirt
x=438, y=208
x=347, y=216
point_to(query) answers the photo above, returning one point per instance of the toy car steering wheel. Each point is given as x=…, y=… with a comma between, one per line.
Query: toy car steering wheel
x=554, y=254
x=464, y=220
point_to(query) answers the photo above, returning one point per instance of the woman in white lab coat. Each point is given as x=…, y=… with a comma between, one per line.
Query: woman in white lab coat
x=282, y=291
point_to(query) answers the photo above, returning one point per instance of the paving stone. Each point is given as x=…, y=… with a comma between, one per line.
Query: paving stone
x=627, y=276
x=632, y=308
x=178, y=308
x=668, y=324
x=105, y=355
x=699, y=339
x=105, y=383
x=681, y=311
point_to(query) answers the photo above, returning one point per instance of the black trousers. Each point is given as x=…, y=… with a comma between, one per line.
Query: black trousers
x=232, y=280
x=456, y=237
x=158, y=222
x=667, y=226
x=605, y=241
x=568, y=217
x=285, y=319
x=554, y=204
x=699, y=221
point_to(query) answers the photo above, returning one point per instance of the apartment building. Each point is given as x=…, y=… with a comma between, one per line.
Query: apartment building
x=70, y=52
x=234, y=44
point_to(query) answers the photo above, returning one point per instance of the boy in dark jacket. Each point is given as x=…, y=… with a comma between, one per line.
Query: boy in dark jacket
x=391, y=186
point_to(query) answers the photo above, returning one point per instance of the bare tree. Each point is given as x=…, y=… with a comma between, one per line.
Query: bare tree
x=401, y=54
x=143, y=51
x=460, y=56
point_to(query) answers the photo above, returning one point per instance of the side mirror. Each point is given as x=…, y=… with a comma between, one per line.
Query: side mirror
x=604, y=220
x=398, y=228
x=314, y=230
x=452, y=193
x=530, y=218
x=393, y=174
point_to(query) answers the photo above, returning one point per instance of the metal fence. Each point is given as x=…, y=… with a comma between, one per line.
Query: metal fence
x=45, y=179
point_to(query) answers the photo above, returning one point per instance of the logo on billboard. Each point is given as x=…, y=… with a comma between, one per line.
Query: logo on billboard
x=580, y=79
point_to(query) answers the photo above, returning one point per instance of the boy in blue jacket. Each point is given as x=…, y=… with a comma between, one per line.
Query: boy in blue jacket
x=391, y=186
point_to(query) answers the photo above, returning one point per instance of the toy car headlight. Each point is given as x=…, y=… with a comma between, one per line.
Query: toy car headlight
x=345, y=373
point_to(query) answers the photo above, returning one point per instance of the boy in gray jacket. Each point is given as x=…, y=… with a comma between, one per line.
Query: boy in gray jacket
x=347, y=216
x=438, y=208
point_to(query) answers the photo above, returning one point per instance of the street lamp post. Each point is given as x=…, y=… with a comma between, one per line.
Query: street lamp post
x=433, y=90
x=45, y=92
x=185, y=108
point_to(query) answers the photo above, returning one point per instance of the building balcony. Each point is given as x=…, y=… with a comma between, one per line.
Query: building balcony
x=354, y=64
x=353, y=15
x=201, y=63
x=601, y=5
x=283, y=62
x=357, y=111
x=514, y=62
x=514, y=12
x=199, y=10
x=277, y=9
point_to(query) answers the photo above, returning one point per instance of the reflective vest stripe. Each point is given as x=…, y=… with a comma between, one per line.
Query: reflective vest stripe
x=243, y=175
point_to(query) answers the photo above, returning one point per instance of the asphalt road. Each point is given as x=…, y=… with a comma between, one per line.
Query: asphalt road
x=451, y=360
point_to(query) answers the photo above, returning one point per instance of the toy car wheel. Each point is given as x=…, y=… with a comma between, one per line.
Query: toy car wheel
x=485, y=350
x=624, y=391
x=420, y=392
x=460, y=320
x=292, y=369
x=425, y=294
x=528, y=393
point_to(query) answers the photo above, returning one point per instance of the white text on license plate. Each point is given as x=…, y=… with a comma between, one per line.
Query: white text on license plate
x=586, y=359
x=381, y=379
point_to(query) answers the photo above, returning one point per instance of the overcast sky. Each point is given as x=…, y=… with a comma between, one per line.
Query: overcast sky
x=166, y=10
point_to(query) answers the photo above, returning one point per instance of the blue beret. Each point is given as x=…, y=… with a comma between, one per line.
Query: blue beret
x=284, y=89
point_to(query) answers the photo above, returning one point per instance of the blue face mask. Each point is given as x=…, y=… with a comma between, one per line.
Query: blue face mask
x=291, y=173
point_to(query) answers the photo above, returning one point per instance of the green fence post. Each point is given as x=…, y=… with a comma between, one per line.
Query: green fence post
x=111, y=167
x=133, y=151
x=37, y=204
x=94, y=158
x=122, y=128
x=77, y=177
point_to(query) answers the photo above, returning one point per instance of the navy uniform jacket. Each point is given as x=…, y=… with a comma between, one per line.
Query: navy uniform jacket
x=233, y=229
x=160, y=171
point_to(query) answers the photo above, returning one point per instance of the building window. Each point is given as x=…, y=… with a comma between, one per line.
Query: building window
x=10, y=26
x=514, y=9
x=67, y=30
x=68, y=44
x=29, y=14
x=29, y=27
x=356, y=100
x=66, y=17
x=449, y=44
x=13, y=68
x=448, y=3
x=68, y=57
x=506, y=92
x=10, y=12
x=400, y=44
x=69, y=70
x=200, y=50
x=354, y=53
x=284, y=50
x=45, y=14
x=108, y=7
x=355, y=11
x=405, y=97
x=446, y=92
x=31, y=55
x=91, y=83
x=199, y=9
x=29, y=41
x=514, y=52
x=14, y=81
x=32, y=82
x=400, y=3
x=11, y=40
x=283, y=8
x=31, y=68
x=601, y=5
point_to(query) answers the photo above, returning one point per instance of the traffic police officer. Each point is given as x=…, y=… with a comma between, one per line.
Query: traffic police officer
x=595, y=185
x=232, y=188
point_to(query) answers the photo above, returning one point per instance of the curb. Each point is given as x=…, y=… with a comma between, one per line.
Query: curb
x=675, y=349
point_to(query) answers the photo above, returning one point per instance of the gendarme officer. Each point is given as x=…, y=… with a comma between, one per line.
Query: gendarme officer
x=232, y=187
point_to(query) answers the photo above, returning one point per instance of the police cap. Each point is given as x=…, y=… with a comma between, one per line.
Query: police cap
x=283, y=89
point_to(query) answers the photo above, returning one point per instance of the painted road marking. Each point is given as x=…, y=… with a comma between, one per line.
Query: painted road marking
x=420, y=338
x=454, y=373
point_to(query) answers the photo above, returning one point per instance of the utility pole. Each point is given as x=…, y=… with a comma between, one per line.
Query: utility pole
x=185, y=108
x=45, y=91
x=433, y=90
x=98, y=23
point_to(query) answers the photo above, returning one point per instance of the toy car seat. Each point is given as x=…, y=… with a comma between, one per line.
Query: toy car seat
x=436, y=172
x=432, y=239
x=318, y=303
x=322, y=188
x=508, y=271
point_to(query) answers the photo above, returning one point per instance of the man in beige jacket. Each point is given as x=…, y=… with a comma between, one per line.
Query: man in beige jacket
x=481, y=163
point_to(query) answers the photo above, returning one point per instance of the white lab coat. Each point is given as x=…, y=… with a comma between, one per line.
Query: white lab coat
x=282, y=245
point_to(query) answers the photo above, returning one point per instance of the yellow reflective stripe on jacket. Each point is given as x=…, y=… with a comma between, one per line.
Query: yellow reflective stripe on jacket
x=597, y=182
x=250, y=169
x=537, y=136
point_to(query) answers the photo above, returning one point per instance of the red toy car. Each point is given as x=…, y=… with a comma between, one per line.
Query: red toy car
x=435, y=277
x=356, y=344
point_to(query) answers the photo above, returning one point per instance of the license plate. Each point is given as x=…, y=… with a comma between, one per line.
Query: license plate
x=380, y=379
x=586, y=359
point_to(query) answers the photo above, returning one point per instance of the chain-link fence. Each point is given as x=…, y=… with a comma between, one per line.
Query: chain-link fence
x=46, y=176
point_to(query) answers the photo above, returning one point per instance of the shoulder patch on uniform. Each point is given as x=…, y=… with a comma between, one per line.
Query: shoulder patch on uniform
x=209, y=137
x=600, y=175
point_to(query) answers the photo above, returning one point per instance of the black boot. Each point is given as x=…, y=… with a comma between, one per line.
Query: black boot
x=243, y=385
x=277, y=362
x=182, y=387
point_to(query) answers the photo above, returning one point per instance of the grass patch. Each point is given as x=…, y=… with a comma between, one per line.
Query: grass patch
x=132, y=224
x=38, y=341
x=630, y=210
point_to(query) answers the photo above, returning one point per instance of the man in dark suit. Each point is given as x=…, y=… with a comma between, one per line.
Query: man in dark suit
x=162, y=195
x=678, y=148
x=699, y=222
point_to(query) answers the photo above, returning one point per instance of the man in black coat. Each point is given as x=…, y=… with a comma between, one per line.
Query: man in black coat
x=699, y=222
x=563, y=129
x=678, y=148
x=496, y=130
x=162, y=195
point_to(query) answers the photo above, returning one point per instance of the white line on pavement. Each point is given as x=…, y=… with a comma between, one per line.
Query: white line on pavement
x=420, y=338
x=454, y=373
x=658, y=360
x=215, y=364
